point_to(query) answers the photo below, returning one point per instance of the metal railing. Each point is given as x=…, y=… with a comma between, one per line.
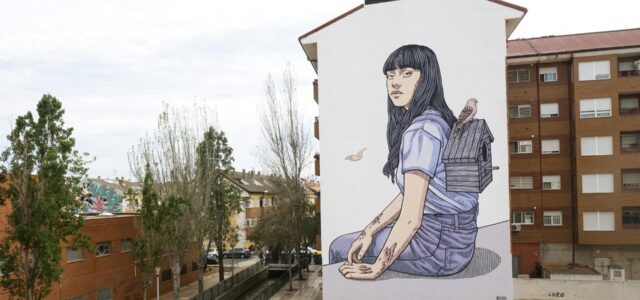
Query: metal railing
x=271, y=289
x=227, y=284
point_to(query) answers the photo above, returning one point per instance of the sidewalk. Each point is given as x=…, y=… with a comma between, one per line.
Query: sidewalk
x=311, y=288
x=191, y=290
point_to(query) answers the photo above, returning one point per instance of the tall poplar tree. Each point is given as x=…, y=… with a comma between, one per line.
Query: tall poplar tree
x=43, y=172
x=221, y=199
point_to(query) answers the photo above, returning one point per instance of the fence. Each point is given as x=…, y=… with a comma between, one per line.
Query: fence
x=227, y=284
x=271, y=289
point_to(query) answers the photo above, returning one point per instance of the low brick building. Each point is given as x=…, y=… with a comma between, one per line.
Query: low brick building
x=109, y=272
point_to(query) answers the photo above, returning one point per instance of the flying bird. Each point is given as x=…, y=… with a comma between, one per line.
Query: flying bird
x=468, y=112
x=357, y=156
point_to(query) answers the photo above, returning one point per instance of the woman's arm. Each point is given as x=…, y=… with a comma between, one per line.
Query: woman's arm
x=407, y=224
x=387, y=216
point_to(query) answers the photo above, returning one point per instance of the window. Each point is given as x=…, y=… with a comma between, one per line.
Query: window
x=598, y=221
x=549, y=110
x=166, y=275
x=520, y=147
x=628, y=68
x=550, y=146
x=551, y=182
x=525, y=218
x=521, y=182
x=630, y=141
x=126, y=245
x=519, y=111
x=74, y=254
x=105, y=294
x=251, y=222
x=596, y=145
x=552, y=218
x=629, y=104
x=261, y=202
x=630, y=179
x=594, y=70
x=631, y=217
x=548, y=74
x=183, y=269
x=103, y=248
x=515, y=76
x=597, y=183
x=595, y=108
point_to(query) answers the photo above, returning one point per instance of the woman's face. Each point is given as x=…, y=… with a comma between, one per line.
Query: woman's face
x=401, y=85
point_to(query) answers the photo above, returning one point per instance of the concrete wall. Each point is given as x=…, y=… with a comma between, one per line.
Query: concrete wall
x=542, y=289
x=626, y=256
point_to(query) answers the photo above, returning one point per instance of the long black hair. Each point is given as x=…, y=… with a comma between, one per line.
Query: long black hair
x=427, y=95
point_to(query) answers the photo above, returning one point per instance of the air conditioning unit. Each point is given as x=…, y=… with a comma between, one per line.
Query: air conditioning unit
x=516, y=227
x=616, y=273
x=637, y=64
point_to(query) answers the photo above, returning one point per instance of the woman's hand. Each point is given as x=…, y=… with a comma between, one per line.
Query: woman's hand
x=359, y=247
x=361, y=271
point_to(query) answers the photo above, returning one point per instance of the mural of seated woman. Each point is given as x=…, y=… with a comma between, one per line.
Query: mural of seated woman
x=425, y=230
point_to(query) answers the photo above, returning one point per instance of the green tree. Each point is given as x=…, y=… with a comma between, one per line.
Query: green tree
x=221, y=199
x=44, y=173
x=148, y=247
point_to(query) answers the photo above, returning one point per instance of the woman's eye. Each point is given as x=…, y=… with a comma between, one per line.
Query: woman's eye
x=407, y=74
x=389, y=76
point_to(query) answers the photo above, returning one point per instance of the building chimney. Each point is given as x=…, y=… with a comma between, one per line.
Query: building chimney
x=258, y=173
x=243, y=172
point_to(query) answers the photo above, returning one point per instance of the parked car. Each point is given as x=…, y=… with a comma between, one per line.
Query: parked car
x=212, y=256
x=237, y=253
x=313, y=251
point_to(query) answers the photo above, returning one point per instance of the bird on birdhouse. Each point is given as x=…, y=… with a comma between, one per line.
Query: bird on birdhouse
x=357, y=156
x=468, y=112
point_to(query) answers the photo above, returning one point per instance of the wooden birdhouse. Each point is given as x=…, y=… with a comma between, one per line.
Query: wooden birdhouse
x=467, y=158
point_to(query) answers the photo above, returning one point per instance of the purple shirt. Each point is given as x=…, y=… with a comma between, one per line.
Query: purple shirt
x=422, y=148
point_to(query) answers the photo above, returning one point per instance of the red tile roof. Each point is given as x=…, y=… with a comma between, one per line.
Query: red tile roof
x=574, y=43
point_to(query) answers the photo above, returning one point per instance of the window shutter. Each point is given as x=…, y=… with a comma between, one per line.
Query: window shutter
x=585, y=71
x=549, y=110
x=590, y=221
x=524, y=110
x=550, y=146
x=604, y=145
x=589, y=183
x=626, y=66
x=606, y=221
x=603, y=107
x=605, y=183
x=602, y=70
x=588, y=146
x=512, y=76
x=523, y=75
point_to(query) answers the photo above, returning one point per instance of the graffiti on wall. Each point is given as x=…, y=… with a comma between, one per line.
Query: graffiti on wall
x=100, y=198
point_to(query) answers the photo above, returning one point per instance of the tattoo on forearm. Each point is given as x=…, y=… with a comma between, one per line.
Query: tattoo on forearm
x=376, y=220
x=387, y=255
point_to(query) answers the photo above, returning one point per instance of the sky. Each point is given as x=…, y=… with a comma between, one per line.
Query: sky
x=113, y=63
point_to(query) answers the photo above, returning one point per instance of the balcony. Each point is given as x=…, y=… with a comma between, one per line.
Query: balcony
x=315, y=91
x=630, y=141
x=630, y=104
x=316, y=128
x=629, y=67
x=630, y=179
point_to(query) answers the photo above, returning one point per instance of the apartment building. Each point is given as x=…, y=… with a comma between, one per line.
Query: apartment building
x=261, y=194
x=574, y=130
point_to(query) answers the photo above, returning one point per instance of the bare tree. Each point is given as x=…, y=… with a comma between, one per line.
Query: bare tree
x=171, y=153
x=286, y=152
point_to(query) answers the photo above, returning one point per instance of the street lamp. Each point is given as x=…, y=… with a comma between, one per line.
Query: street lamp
x=157, y=283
